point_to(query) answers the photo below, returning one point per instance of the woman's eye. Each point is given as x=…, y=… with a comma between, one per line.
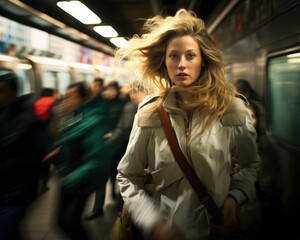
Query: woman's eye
x=191, y=56
x=173, y=56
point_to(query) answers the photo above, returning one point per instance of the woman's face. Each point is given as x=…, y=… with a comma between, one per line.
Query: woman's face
x=183, y=60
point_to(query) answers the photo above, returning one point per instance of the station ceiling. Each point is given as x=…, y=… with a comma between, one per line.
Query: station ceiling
x=126, y=16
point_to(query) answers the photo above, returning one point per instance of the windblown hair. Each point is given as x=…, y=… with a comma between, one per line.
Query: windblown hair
x=211, y=93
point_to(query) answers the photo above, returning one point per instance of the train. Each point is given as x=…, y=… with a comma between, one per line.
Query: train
x=260, y=41
x=36, y=72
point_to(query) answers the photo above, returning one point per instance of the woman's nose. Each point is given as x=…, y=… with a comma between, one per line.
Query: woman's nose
x=182, y=64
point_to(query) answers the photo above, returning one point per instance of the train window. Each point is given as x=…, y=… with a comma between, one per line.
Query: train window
x=58, y=80
x=64, y=80
x=25, y=79
x=85, y=77
x=23, y=70
x=283, y=105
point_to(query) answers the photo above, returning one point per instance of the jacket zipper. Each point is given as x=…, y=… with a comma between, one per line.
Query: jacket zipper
x=188, y=123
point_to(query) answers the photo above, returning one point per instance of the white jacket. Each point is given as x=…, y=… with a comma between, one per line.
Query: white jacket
x=172, y=197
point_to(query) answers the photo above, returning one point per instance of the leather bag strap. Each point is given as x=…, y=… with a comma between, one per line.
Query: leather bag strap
x=187, y=169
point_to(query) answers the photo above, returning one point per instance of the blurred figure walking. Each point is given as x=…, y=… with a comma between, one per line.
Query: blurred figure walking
x=43, y=108
x=82, y=161
x=23, y=145
x=269, y=179
x=115, y=106
x=117, y=140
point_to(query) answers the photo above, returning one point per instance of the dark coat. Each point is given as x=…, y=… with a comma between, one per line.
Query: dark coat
x=82, y=159
x=120, y=134
x=115, y=111
x=23, y=145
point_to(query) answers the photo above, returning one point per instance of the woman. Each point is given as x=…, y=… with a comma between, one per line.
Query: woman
x=212, y=126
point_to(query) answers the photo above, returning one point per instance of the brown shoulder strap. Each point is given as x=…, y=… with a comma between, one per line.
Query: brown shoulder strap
x=189, y=172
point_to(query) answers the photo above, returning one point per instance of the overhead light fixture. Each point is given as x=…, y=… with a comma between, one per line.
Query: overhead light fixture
x=294, y=60
x=119, y=41
x=293, y=55
x=104, y=68
x=79, y=11
x=106, y=31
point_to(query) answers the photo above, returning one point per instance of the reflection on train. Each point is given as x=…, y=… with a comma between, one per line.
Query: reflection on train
x=261, y=43
x=35, y=72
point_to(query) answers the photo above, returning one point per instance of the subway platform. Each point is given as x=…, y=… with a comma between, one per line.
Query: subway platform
x=39, y=223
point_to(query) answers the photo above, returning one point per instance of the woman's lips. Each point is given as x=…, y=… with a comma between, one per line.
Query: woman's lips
x=182, y=75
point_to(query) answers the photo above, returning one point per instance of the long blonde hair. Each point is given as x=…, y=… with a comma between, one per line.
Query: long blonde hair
x=211, y=93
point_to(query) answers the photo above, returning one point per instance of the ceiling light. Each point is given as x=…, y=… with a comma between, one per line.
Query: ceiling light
x=104, y=68
x=24, y=66
x=293, y=55
x=79, y=11
x=106, y=31
x=119, y=41
x=294, y=60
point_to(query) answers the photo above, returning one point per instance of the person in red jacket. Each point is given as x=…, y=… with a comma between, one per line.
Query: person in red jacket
x=42, y=106
x=43, y=111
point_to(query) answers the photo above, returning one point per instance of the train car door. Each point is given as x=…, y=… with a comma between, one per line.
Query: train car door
x=82, y=72
x=52, y=73
x=23, y=69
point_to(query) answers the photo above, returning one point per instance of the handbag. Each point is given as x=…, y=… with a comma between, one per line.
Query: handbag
x=123, y=228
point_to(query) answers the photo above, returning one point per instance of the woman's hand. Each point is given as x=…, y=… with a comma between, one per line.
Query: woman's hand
x=162, y=231
x=230, y=218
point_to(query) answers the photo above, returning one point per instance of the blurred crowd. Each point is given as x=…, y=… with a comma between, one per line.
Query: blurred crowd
x=82, y=134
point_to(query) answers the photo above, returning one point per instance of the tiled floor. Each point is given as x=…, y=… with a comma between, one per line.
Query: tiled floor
x=39, y=223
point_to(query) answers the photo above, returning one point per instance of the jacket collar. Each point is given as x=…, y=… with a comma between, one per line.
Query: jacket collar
x=171, y=106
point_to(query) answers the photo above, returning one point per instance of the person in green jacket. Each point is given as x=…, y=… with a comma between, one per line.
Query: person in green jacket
x=82, y=156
